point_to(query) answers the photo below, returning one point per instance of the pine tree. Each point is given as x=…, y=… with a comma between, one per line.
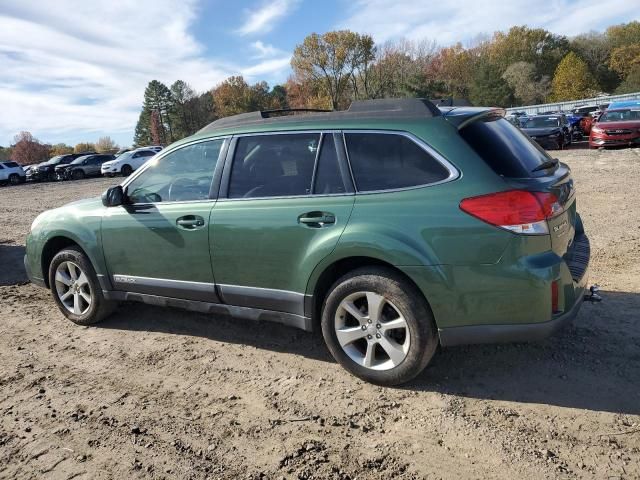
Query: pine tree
x=157, y=97
x=573, y=80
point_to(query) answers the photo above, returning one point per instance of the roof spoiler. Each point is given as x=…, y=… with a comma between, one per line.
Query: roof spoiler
x=461, y=117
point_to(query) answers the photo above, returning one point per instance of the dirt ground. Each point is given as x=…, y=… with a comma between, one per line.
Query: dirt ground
x=153, y=393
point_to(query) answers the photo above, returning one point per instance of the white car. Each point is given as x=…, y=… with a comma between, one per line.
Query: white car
x=12, y=172
x=127, y=162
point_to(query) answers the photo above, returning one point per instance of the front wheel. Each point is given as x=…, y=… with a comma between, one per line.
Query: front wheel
x=126, y=170
x=378, y=326
x=75, y=288
x=14, y=179
x=77, y=175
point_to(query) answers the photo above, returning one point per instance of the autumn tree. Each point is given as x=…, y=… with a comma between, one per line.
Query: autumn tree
x=528, y=89
x=28, y=150
x=625, y=59
x=573, y=80
x=84, y=147
x=333, y=59
x=307, y=93
x=453, y=66
x=234, y=96
x=624, y=34
x=106, y=145
x=595, y=49
x=524, y=44
x=60, y=149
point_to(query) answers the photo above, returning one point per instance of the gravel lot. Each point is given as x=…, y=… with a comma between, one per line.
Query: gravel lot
x=154, y=393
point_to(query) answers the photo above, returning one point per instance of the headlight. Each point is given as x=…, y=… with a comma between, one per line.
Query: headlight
x=597, y=130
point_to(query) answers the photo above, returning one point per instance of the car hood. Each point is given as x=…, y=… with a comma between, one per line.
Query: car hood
x=541, y=131
x=109, y=163
x=615, y=125
x=62, y=167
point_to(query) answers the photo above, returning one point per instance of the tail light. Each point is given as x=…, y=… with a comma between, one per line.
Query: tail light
x=519, y=211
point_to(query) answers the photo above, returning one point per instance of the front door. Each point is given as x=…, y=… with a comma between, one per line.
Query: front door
x=288, y=200
x=158, y=243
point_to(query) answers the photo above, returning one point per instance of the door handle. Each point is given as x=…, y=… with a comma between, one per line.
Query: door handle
x=190, y=222
x=317, y=219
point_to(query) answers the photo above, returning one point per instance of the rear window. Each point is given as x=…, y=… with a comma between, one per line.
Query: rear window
x=505, y=148
x=382, y=161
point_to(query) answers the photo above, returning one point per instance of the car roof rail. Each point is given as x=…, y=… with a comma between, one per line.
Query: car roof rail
x=382, y=108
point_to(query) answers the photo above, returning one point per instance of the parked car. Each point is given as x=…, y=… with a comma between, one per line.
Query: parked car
x=11, y=172
x=616, y=127
x=81, y=167
x=127, y=163
x=394, y=227
x=549, y=131
x=47, y=171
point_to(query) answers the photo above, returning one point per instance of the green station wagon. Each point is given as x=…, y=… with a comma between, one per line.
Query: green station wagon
x=393, y=226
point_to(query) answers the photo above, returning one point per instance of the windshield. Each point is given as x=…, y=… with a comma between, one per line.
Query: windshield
x=542, y=122
x=625, y=115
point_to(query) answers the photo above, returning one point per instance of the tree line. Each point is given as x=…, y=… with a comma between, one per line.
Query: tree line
x=521, y=66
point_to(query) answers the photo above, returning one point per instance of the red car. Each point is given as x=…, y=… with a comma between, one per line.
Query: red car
x=618, y=127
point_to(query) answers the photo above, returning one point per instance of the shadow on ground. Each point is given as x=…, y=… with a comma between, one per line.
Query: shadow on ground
x=12, y=264
x=594, y=364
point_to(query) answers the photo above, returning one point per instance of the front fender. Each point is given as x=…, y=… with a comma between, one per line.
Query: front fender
x=79, y=222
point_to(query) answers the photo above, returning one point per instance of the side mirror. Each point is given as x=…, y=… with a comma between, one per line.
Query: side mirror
x=113, y=196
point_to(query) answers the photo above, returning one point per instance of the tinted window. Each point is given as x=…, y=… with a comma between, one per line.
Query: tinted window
x=12, y=164
x=182, y=175
x=504, y=148
x=387, y=161
x=273, y=165
x=1, y=167
x=328, y=179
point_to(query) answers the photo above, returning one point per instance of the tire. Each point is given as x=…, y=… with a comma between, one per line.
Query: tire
x=14, y=179
x=126, y=170
x=77, y=175
x=82, y=284
x=51, y=177
x=366, y=339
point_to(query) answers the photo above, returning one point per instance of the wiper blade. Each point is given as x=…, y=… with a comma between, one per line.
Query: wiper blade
x=548, y=164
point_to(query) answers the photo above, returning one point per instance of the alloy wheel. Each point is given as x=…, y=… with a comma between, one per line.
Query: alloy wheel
x=372, y=331
x=73, y=288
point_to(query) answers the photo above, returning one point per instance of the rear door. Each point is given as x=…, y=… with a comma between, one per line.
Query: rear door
x=285, y=200
x=139, y=158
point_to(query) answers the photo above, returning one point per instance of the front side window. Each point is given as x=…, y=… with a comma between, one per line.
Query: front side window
x=381, y=161
x=182, y=175
x=273, y=165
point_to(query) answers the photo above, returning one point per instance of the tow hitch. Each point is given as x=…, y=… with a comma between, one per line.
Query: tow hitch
x=593, y=294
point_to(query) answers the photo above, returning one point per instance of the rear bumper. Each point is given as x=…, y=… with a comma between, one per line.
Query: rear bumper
x=508, y=333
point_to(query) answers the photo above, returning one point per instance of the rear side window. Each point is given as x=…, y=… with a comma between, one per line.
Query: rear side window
x=504, y=148
x=382, y=161
x=328, y=179
x=12, y=164
x=273, y=165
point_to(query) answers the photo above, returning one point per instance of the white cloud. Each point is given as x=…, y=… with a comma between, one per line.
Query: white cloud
x=268, y=67
x=74, y=70
x=265, y=17
x=462, y=20
x=264, y=50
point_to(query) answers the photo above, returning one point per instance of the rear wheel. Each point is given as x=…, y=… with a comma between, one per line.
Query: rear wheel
x=14, y=179
x=378, y=326
x=75, y=288
x=126, y=170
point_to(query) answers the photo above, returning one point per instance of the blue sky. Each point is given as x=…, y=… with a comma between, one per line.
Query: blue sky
x=74, y=70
